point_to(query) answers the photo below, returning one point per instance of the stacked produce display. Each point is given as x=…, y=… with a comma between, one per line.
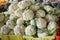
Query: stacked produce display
x=29, y=18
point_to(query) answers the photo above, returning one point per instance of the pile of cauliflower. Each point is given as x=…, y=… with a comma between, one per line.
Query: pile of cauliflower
x=30, y=19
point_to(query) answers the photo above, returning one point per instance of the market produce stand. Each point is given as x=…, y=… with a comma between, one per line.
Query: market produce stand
x=35, y=25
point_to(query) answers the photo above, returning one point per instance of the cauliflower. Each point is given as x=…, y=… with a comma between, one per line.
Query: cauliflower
x=48, y=8
x=35, y=16
x=41, y=33
x=10, y=24
x=12, y=17
x=51, y=17
x=51, y=27
x=20, y=21
x=1, y=17
x=30, y=30
x=19, y=29
x=19, y=13
x=41, y=23
x=4, y=29
x=13, y=7
x=23, y=4
x=28, y=15
x=40, y=13
x=34, y=7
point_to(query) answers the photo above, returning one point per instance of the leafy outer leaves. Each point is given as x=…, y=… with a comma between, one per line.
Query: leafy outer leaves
x=33, y=22
x=51, y=31
x=40, y=31
x=33, y=1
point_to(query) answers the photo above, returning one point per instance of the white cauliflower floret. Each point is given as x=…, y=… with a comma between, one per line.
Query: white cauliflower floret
x=30, y=30
x=48, y=8
x=12, y=17
x=13, y=7
x=28, y=15
x=51, y=17
x=52, y=27
x=4, y=29
x=1, y=17
x=41, y=33
x=10, y=24
x=52, y=24
x=34, y=7
x=40, y=13
x=41, y=23
x=19, y=29
x=20, y=21
x=23, y=4
x=19, y=13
